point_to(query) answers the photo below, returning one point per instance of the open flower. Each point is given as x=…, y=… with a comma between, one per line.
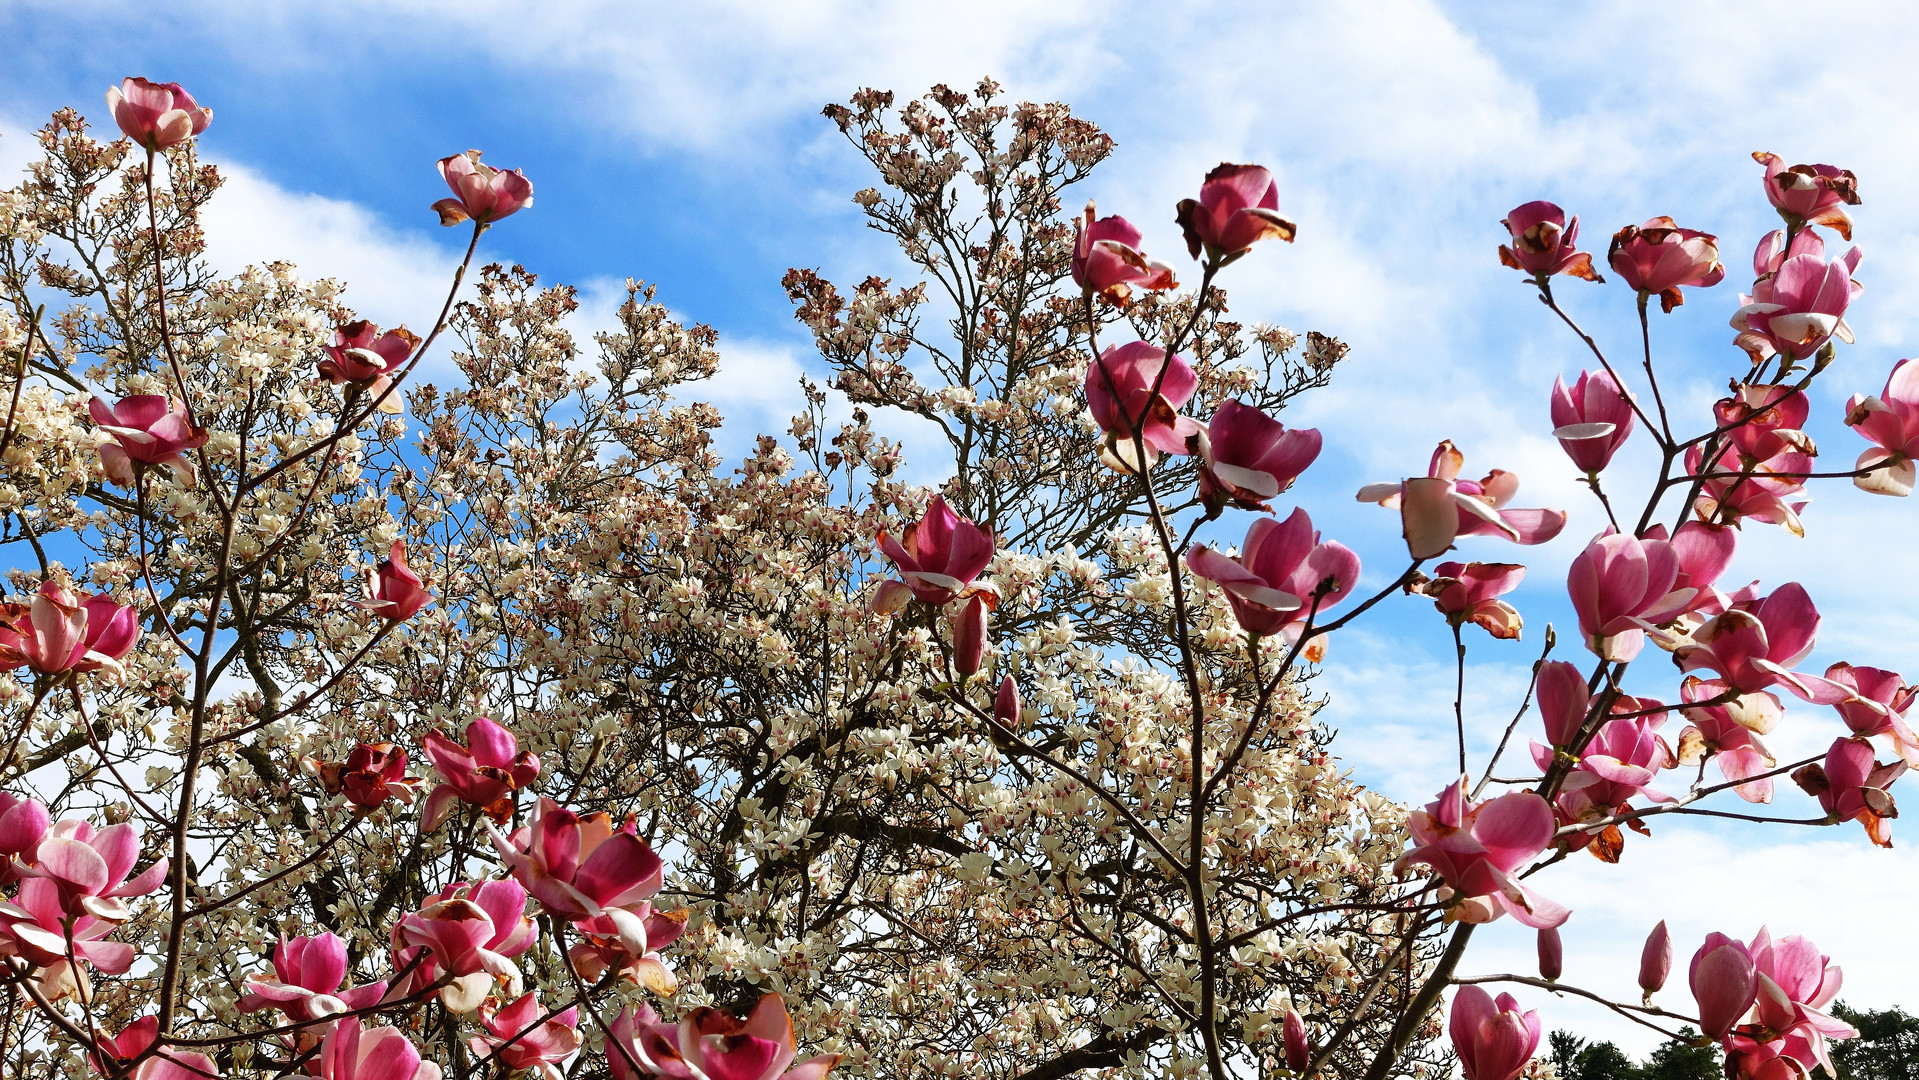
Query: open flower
x=156, y=115
x=1137, y=384
x=481, y=192
x=508, y=933
x=165, y=1064
x=23, y=824
x=1891, y=422
x=1810, y=194
x=1284, y=572
x=1618, y=764
x=710, y=1043
x=603, y=947
x=393, y=591
x=1491, y=1037
x=1591, y=419
x=1799, y=301
x=483, y=773
x=521, y=1041
x=1542, y=243
x=1475, y=848
x=1753, y=647
x=1659, y=258
x=1437, y=508
x=1718, y=730
x=1776, y=994
x=1248, y=457
x=939, y=555
x=581, y=868
x=88, y=868
x=61, y=630
x=1621, y=587
x=360, y=354
x=1469, y=592
x=1878, y=706
x=145, y=431
x=307, y=973
x=1238, y=206
x=383, y=1053
x=1107, y=260
x=371, y=774
x=1851, y=786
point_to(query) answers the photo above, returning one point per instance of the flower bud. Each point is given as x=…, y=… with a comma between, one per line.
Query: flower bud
x=1298, y=1052
x=1655, y=961
x=1552, y=954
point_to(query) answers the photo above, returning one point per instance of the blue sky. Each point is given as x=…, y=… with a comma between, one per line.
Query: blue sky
x=685, y=146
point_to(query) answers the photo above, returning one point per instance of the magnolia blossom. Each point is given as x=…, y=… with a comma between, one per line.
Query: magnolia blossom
x=1248, y=457
x=1618, y=764
x=164, y=1064
x=371, y=774
x=1006, y=708
x=1138, y=385
x=145, y=431
x=1542, y=243
x=1655, y=960
x=1468, y=592
x=88, y=868
x=474, y=954
x=1891, y=422
x=1283, y=575
x=1878, y=706
x=1726, y=733
x=1775, y=992
x=582, y=868
x=1107, y=260
x=710, y=1044
x=1299, y=1052
x=1753, y=646
x=362, y=355
x=1439, y=507
x=484, y=773
x=602, y=948
x=1735, y=489
x=156, y=115
x=1560, y=692
x=61, y=630
x=481, y=192
x=23, y=824
x=1851, y=786
x=1238, y=206
x=1491, y=1037
x=379, y=1054
x=393, y=591
x=1475, y=848
x=307, y=973
x=1659, y=258
x=1810, y=194
x=1799, y=301
x=37, y=927
x=1591, y=419
x=940, y=555
x=1621, y=587
x=516, y=1035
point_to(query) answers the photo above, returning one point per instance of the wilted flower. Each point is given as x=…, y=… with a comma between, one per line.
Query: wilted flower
x=1237, y=207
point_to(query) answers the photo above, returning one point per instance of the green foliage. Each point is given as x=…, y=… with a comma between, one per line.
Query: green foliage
x=1675, y=1059
x=1887, y=1047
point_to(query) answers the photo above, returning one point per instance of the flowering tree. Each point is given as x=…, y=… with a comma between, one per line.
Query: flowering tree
x=1012, y=776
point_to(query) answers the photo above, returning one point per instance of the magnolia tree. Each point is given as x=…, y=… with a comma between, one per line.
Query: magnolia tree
x=546, y=742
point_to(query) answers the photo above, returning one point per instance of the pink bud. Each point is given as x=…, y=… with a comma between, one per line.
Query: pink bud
x=1551, y=954
x=1655, y=960
x=1562, y=701
x=1299, y=1053
x=1006, y=704
x=969, y=635
x=1723, y=984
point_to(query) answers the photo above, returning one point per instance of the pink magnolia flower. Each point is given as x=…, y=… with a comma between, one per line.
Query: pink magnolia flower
x=371, y=774
x=1891, y=422
x=1283, y=574
x=1737, y=488
x=1621, y=587
x=145, y=431
x=481, y=192
x=1853, y=787
x=360, y=354
x=1107, y=260
x=307, y=973
x=1753, y=647
x=1659, y=258
x=1299, y=1052
x=1542, y=243
x=88, y=868
x=1764, y=422
x=1779, y=989
x=1703, y=552
x=603, y=949
x=582, y=868
x=1810, y=194
x=1726, y=732
x=522, y=1041
x=1468, y=592
x=1492, y=1038
x=1655, y=960
x=484, y=773
x=1799, y=301
x=1724, y=983
x=165, y=1064
x=394, y=592
x=1562, y=697
x=61, y=630
x=1475, y=849
x=1248, y=457
x=23, y=824
x=383, y=1053
x=1591, y=420
x=1878, y=707
x=1138, y=384
x=940, y=555
x=156, y=115
x=1437, y=508
x=709, y=1043
x=1238, y=206
x=37, y=927
x=476, y=956
x=1618, y=764
x=1552, y=954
